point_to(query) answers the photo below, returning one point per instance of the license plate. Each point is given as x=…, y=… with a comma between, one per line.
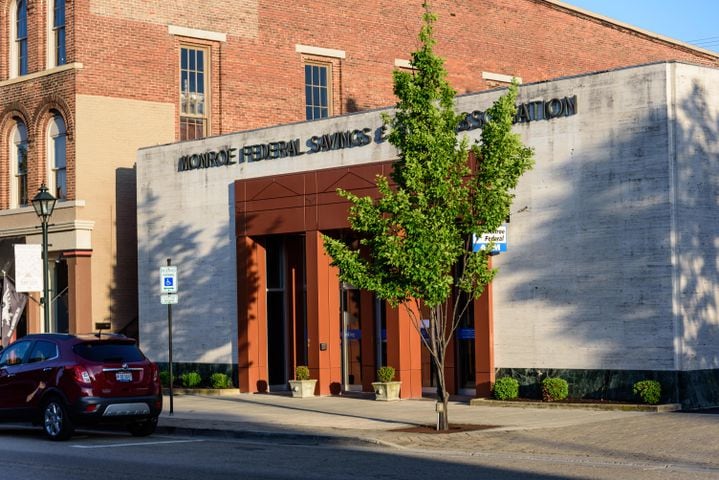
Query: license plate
x=123, y=376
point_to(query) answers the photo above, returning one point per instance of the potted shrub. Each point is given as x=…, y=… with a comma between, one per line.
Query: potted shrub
x=302, y=386
x=386, y=388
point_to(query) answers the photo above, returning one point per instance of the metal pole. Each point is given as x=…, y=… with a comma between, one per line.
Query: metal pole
x=45, y=286
x=169, y=342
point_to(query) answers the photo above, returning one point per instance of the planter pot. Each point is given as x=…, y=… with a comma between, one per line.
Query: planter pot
x=386, y=391
x=302, y=388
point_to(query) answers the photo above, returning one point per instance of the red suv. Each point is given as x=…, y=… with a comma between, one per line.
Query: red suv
x=60, y=381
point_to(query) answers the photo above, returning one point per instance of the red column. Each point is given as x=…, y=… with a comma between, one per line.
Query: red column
x=323, y=311
x=251, y=316
x=79, y=289
x=484, y=343
x=367, y=325
x=404, y=351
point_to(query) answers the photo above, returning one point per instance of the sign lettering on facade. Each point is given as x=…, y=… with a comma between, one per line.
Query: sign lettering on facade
x=526, y=112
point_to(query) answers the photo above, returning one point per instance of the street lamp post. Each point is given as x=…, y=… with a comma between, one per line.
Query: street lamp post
x=44, y=204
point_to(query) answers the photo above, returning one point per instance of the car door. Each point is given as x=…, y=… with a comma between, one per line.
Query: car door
x=36, y=373
x=11, y=361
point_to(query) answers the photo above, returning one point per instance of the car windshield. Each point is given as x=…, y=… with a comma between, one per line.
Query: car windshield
x=109, y=352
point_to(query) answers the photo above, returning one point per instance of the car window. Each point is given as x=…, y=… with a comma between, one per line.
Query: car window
x=42, y=351
x=109, y=352
x=14, y=354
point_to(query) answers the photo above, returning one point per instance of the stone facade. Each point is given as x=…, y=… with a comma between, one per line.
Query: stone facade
x=611, y=259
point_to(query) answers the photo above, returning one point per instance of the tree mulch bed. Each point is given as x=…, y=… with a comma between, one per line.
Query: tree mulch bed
x=453, y=428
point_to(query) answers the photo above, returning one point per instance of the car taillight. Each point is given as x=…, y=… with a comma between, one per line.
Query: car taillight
x=81, y=375
x=154, y=372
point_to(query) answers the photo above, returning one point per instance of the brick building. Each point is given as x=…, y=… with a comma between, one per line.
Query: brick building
x=85, y=83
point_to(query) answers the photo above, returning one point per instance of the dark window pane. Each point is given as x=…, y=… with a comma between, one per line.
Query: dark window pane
x=200, y=83
x=317, y=112
x=315, y=74
x=200, y=60
x=109, y=352
x=308, y=113
x=323, y=76
x=323, y=97
x=308, y=74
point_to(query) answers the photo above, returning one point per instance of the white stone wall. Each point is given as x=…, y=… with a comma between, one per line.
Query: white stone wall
x=694, y=95
x=588, y=279
x=586, y=282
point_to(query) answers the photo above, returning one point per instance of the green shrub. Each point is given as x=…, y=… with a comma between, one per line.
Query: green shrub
x=385, y=374
x=650, y=391
x=554, y=388
x=220, y=380
x=302, y=372
x=165, y=378
x=190, y=379
x=506, y=388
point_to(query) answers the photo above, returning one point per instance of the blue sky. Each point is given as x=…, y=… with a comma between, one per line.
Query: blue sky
x=692, y=21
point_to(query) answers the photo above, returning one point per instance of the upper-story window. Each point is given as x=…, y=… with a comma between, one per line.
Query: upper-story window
x=317, y=90
x=18, y=165
x=57, y=158
x=56, y=35
x=193, y=88
x=18, y=39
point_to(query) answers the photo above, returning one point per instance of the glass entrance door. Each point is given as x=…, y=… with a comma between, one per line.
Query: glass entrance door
x=351, y=336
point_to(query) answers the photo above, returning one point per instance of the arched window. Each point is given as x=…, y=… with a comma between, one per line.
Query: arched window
x=56, y=52
x=56, y=157
x=21, y=37
x=18, y=165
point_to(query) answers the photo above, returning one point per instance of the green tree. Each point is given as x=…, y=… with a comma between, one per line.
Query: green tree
x=416, y=238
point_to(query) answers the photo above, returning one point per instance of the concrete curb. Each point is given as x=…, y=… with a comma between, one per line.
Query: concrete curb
x=624, y=407
x=214, y=392
x=265, y=435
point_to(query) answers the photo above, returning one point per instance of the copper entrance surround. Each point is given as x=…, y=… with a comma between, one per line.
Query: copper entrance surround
x=307, y=204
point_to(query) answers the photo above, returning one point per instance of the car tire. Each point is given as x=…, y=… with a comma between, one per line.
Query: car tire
x=56, y=422
x=143, y=428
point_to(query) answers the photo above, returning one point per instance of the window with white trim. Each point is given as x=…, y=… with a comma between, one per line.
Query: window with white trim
x=18, y=39
x=318, y=90
x=194, y=70
x=56, y=34
x=18, y=165
x=57, y=157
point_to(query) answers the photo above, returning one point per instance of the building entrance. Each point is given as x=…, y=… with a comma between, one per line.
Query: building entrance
x=351, y=337
x=286, y=288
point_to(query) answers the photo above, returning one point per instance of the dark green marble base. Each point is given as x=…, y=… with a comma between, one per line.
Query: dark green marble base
x=693, y=389
x=204, y=369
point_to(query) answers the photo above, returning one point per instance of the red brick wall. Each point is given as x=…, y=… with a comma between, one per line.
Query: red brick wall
x=261, y=73
x=256, y=76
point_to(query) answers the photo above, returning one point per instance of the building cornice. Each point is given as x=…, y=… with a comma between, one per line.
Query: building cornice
x=627, y=26
x=42, y=73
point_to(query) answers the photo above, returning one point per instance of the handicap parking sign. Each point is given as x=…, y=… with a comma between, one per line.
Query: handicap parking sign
x=168, y=278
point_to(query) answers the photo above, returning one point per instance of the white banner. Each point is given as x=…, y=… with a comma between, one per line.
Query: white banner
x=28, y=268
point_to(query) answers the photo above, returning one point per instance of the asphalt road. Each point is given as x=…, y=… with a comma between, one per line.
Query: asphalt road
x=26, y=455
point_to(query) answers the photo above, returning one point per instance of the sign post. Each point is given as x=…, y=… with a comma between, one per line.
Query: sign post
x=168, y=287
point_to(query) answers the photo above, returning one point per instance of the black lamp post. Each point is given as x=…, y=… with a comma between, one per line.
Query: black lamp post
x=44, y=204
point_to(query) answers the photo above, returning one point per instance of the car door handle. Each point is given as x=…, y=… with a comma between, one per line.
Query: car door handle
x=47, y=369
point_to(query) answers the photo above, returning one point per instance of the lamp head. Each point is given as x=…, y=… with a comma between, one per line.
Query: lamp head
x=43, y=203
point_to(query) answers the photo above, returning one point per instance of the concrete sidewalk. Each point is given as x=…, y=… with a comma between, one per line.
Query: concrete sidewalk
x=353, y=419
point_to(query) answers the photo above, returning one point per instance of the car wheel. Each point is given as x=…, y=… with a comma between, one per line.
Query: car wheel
x=55, y=420
x=143, y=428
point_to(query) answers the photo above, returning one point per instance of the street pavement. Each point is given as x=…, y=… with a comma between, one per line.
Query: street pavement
x=672, y=442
